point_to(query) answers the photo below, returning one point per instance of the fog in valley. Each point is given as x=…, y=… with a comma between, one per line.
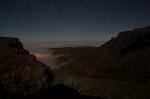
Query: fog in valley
x=43, y=53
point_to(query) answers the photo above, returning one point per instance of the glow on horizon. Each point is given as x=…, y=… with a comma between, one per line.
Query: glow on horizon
x=40, y=55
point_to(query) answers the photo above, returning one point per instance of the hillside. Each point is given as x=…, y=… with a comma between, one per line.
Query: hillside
x=128, y=54
x=119, y=69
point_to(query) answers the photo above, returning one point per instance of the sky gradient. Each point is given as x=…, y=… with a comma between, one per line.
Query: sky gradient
x=71, y=20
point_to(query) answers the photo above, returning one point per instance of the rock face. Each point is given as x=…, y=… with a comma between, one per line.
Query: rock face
x=128, y=51
x=128, y=54
x=20, y=72
x=131, y=40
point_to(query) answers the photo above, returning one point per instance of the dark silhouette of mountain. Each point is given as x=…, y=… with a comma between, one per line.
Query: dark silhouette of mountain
x=125, y=57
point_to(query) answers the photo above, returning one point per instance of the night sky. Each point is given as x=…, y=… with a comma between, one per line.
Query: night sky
x=71, y=20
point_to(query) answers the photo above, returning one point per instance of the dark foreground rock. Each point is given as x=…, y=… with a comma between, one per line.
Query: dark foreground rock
x=56, y=92
x=20, y=72
x=59, y=91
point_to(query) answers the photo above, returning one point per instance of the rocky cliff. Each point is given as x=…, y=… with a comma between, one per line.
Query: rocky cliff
x=128, y=52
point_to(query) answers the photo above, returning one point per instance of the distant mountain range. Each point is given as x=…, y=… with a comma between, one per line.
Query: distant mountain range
x=40, y=46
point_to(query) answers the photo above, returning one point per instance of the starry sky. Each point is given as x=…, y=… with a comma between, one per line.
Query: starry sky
x=71, y=20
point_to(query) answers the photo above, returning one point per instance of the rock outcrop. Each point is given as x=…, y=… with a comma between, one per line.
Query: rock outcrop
x=130, y=40
x=129, y=51
x=20, y=72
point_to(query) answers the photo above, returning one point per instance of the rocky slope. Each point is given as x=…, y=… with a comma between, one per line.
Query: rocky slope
x=128, y=53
